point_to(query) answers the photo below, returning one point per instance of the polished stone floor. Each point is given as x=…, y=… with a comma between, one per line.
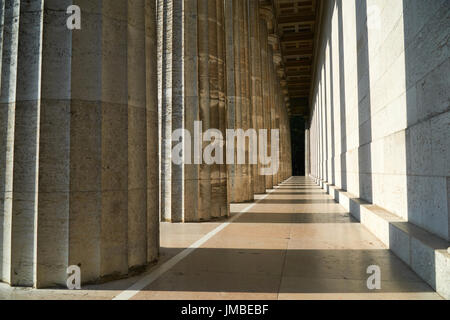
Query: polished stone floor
x=294, y=243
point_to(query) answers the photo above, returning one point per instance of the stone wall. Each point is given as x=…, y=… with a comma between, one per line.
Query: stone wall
x=380, y=119
x=379, y=127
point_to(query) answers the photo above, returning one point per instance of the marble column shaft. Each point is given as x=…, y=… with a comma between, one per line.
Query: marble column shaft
x=221, y=87
x=257, y=95
x=192, y=82
x=84, y=142
x=266, y=88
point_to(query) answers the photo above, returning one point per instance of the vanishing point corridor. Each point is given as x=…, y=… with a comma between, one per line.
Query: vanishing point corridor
x=225, y=149
x=295, y=242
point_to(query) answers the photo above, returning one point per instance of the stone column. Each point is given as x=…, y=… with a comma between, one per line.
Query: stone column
x=307, y=153
x=257, y=98
x=26, y=139
x=153, y=141
x=266, y=85
x=234, y=28
x=191, y=44
x=231, y=68
x=213, y=76
x=7, y=119
x=278, y=111
x=247, y=120
x=192, y=114
x=177, y=108
x=272, y=107
x=204, y=207
x=166, y=51
x=54, y=148
x=240, y=188
x=2, y=21
x=137, y=134
x=82, y=174
x=221, y=87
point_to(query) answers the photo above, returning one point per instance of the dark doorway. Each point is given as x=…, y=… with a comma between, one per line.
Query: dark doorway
x=298, y=145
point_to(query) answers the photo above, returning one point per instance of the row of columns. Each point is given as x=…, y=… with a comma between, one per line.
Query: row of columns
x=89, y=162
x=255, y=99
x=78, y=141
x=217, y=67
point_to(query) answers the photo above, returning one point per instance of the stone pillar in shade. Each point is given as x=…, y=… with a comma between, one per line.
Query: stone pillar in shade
x=266, y=88
x=151, y=105
x=26, y=143
x=2, y=21
x=240, y=188
x=85, y=136
x=257, y=99
x=307, y=153
x=221, y=87
x=7, y=119
x=192, y=90
x=235, y=188
x=165, y=21
x=205, y=104
x=247, y=100
x=213, y=77
x=272, y=105
x=232, y=90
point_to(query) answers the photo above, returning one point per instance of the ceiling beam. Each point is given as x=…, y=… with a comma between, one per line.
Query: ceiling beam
x=298, y=52
x=297, y=18
x=299, y=63
x=299, y=36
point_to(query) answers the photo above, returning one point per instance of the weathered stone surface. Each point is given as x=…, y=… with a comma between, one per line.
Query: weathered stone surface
x=393, y=118
x=83, y=123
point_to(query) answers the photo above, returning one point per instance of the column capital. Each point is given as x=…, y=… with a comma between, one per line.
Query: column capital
x=266, y=14
x=277, y=58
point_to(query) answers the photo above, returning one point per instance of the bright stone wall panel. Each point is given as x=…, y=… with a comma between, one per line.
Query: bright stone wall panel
x=380, y=108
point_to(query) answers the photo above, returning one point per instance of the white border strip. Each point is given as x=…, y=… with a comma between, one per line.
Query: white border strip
x=150, y=278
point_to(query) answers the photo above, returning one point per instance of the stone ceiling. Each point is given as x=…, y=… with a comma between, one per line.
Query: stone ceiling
x=297, y=22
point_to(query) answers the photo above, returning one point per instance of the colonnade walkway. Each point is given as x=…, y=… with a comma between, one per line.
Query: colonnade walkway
x=293, y=243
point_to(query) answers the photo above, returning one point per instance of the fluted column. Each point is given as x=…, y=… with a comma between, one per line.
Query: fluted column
x=7, y=119
x=26, y=137
x=84, y=179
x=247, y=110
x=192, y=171
x=272, y=107
x=266, y=91
x=231, y=68
x=213, y=76
x=165, y=22
x=307, y=152
x=234, y=28
x=221, y=87
x=151, y=105
x=192, y=85
x=2, y=21
x=257, y=98
x=204, y=207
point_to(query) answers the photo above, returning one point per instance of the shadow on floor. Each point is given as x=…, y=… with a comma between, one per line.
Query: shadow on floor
x=265, y=217
x=281, y=271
